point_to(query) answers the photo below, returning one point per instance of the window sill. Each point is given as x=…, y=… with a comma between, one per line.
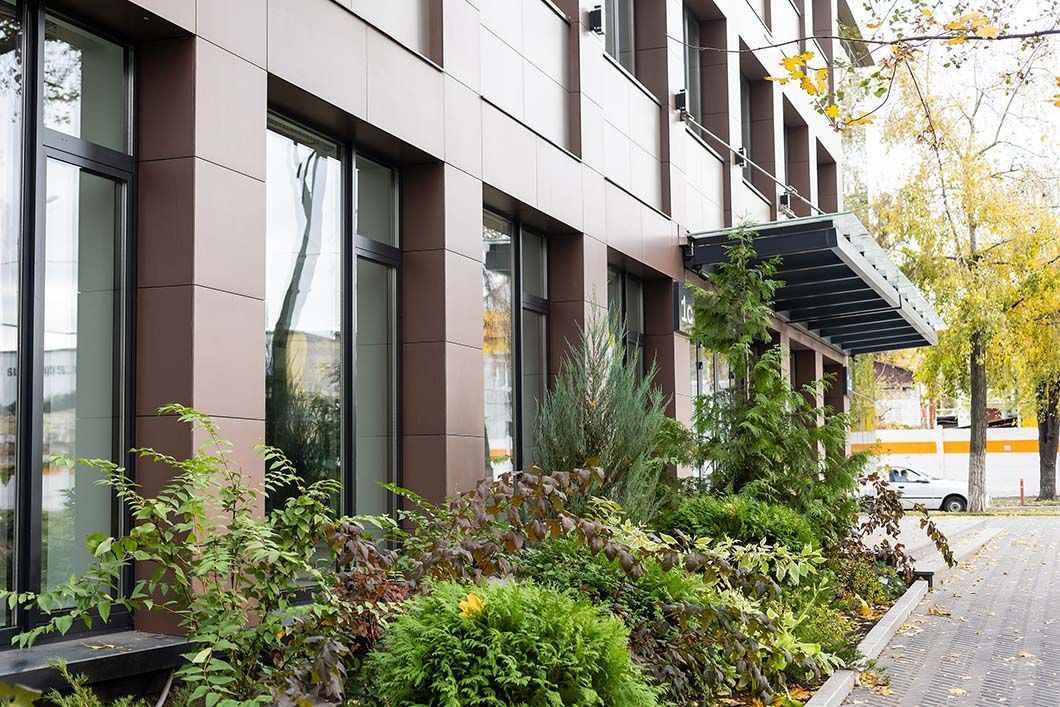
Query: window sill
x=101, y=657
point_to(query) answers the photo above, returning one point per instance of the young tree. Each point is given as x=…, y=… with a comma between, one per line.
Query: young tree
x=968, y=225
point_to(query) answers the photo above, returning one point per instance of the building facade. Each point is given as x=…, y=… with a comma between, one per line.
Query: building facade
x=367, y=231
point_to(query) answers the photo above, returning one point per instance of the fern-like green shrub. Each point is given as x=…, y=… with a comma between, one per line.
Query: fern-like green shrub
x=742, y=519
x=504, y=645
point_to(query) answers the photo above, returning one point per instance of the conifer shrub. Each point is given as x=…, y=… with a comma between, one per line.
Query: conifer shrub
x=602, y=412
x=505, y=645
x=745, y=520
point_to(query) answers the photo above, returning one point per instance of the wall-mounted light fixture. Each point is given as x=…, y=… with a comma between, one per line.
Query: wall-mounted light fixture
x=740, y=156
x=596, y=20
x=784, y=204
x=681, y=101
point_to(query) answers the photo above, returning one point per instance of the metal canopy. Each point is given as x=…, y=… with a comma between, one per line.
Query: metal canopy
x=838, y=282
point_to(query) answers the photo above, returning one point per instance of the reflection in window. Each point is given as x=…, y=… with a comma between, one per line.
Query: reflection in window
x=80, y=333
x=376, y=385
x=303, y=302
x=497, y=332
x=619, y=33
x=84, y=85
x=10, y=152
x=515, y=321
x=625, y=304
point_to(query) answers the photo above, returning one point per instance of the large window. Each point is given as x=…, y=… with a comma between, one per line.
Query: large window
x=625, y=304
x=331, y=314
x=514, y=339
x=65, y=330
x=619, y=32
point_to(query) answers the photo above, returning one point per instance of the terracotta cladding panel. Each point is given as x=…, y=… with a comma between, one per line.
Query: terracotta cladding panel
x=312, y=42
x=464, y=392
x=462, y=31
x=240, y=26
x=230, y=110
x=229, y=354
x=405, y=100
x=463, y=127
x=423, y=383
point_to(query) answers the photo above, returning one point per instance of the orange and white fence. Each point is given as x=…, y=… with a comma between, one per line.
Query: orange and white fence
x=1011, y=454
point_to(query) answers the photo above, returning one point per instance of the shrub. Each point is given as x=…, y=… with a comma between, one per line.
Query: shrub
x=743, y=519
x=824, y=625
x=81, y=695
x=866, y=578
x=216, y=558
x=503, y=645
x=602, y=412
x=683, y=625
x=763, y=438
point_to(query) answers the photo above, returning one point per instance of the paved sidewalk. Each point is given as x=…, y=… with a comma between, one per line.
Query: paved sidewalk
x=990, y=635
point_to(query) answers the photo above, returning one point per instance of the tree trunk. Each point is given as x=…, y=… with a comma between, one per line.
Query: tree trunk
x=1048, y=399
x=977, y=450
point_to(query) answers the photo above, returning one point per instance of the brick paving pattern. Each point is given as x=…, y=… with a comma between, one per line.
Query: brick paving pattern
x=990, y=635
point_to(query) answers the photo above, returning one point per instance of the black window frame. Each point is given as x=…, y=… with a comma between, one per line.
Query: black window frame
x=634, y=340
x=357, y=247
x=527, y=303
x=39, y=145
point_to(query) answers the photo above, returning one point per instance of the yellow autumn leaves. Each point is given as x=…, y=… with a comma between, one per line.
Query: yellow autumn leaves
x=813, y=82
x=973, y=23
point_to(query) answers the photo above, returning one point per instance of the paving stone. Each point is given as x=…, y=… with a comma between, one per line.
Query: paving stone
x=1000, y=644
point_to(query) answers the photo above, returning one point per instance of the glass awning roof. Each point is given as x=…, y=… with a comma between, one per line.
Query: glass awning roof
x=838, y=282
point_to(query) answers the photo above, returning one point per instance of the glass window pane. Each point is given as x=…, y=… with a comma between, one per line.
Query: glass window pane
x=303, y=302
x=693, y=83
x=614, y=296
x=722, y=372
x=535, y=376
x=535, y=265
x=84, y=86
x=376, y=385
x=81, y=300
x=618, y=26
x=634, y=305
x=695, y=379
x=497, y=343
x=376, y=202
x=10, y=153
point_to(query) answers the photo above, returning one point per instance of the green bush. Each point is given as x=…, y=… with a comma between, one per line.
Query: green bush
x=602, y=412
x=830, y=629
x=684, y=626
x=81, y=694
x=521, y=645
x=743, y=519
x=865, y=578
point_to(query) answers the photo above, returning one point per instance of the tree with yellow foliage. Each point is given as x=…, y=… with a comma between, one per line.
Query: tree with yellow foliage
x=1030, y=346
x=974, y=228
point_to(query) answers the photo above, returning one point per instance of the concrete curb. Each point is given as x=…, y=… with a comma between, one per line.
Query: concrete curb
x=841, y=683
